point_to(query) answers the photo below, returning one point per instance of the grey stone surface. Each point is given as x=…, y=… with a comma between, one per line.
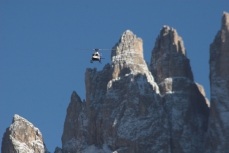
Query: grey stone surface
x=218, y=134
x=169, y=56
x=22, y=137
x=184, y=100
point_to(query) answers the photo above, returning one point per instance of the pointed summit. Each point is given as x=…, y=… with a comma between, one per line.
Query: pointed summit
x=169, y=56
x=219, y=50
x=125, y=35
x=184, y=100
x=219, y=83
x=128, y=44
x=22, y=136
x=75, y=97
x=127, y=55
x=225, y=21
x=73, y=124
x=170, y=37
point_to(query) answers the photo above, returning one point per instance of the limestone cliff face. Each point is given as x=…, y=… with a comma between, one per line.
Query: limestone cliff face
x=22, y=137
x=184, y=100
x=218, y=134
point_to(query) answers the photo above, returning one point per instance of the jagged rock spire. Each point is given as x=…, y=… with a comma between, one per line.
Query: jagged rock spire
x=219, y=50
x=128, y=43
x=127, y=55
x=127, y=58
x=169, y=56
x=22, y=136
x=184, y=100
x=72, y=133
x=225, y=21
x=170, y=41
x=218, y=134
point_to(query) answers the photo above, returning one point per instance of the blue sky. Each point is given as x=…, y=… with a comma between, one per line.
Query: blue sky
x=40, y=65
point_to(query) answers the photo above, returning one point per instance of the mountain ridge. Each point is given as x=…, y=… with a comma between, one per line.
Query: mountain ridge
x=132, y=107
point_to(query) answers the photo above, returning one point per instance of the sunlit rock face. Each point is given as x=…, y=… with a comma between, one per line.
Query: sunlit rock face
x=126, y=53
x=184, y=101
x=218, y=134
x=22, y=137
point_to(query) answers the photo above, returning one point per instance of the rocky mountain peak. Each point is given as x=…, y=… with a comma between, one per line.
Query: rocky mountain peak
x=225, y=21
x=184, y=100
x=22, y=136
x=169, y=56
x=72, y=124
x=219, y=81
x=127, y=58
x=115, y=96
x=123, y=98
x=171, y=38
x=127, y=55
x=128, y=51
x=128, y=44
x=219, y=50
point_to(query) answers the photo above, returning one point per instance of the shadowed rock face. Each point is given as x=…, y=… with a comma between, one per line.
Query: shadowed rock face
x=218, y=134
x=184, y=100
x=73, y=125
x=22, y=137
x=169, y=56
